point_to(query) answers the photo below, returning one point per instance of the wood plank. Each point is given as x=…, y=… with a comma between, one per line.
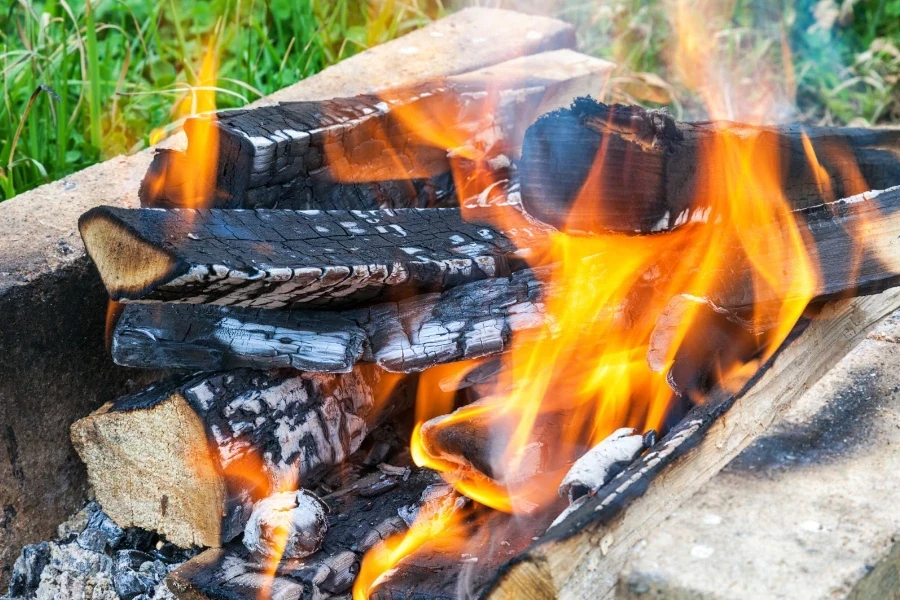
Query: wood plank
x=805, y=511
x=583, y=555
x=281, y=258
x=658, y=173
x=187, y=457
x=370, y=151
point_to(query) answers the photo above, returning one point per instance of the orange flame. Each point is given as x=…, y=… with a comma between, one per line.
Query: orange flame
x=556, y=398
x=192, y=177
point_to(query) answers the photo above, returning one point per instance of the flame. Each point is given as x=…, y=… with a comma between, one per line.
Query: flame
x=192, y=177
x=556, y=398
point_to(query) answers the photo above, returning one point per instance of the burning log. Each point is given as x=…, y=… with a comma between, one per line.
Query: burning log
x=655, y=169
x=189, y=456
x=281, y=258
x=364, y=152
x=716, y=341
x=565, y=558
x=604, y=461
x=468, y=321
x=287, y=524
x=356, y=524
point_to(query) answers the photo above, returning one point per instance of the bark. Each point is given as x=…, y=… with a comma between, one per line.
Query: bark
x=656, y=172
x=377, y=151
x=281, y=258
x=187, y=457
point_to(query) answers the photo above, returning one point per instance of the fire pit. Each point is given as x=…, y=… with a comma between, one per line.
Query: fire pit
x=473, y=337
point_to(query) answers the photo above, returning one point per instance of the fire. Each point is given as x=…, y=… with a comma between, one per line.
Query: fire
x=592, y=378
x=194, y=175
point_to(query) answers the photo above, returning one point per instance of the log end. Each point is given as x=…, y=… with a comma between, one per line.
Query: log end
x=154, y=469
x=128, y=265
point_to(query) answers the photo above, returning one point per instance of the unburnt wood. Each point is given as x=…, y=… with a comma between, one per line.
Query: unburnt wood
x=187, y=457
x=565, y=563
x=387, y=150
x=280, y=258
x=624, y=168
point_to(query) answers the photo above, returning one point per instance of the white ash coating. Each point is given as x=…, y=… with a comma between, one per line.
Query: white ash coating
x=301, y=514
x=601, y=463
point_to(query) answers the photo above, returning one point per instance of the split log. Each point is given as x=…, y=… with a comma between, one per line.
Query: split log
x=281, y=258
x=479, y=318
x=377, y=151
x=469, y=321
x=655, y=170
x=565, y=563
x=356, y=524
x=187, y=457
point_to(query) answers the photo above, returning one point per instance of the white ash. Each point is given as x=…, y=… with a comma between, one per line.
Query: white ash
x=93, y=558
x=601, y=463
x=301, y=514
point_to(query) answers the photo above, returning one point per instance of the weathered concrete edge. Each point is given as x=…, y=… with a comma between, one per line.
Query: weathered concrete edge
x=53, y=364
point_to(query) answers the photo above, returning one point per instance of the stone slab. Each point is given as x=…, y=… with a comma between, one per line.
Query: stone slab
x=811, y=510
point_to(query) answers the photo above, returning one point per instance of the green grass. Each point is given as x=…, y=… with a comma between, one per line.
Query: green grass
x=85, y=82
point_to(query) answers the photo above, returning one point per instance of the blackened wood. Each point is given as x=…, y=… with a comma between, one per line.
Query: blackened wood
x=472, y=320
x=639, y=170
x=365, y=152
x=279, y=258
x=694, y=341
x=187, y=457
x=356, y=524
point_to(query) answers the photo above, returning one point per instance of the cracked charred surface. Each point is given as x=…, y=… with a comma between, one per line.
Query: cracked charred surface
x=654, y=172
x=188, y=456
x=470, y=321
x=369, y=151
x=282, y=258
x=356, y=523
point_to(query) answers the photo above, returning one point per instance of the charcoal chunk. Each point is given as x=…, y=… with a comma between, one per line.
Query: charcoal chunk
x=26, y=575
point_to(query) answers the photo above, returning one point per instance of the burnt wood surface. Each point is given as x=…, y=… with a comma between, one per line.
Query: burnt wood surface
x=479, y=318
x=188, y=456
x=640, y=170
x=356, y=523
x=280, y=258
x=372, y=151
x=469, y=321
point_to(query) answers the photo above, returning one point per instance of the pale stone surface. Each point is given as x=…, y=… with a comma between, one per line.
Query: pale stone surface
x=810, y=510
x=54, y=367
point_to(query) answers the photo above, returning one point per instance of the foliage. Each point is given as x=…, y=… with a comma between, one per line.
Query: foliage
x=82, y=82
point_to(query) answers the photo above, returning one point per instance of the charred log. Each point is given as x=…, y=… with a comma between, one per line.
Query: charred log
x=281, y=258
x=365, y=152
x=655, y=169
x=188, y=457
x=472, y=320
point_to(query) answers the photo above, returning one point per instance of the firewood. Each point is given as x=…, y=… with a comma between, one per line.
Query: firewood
x=187, y=457
x=478, y=318
x=716, y=341
x=288, y=524
x=654, y=168
x=601, y=463
x=364, y=152
x=565, y=561
x=469, y=321
x=279, y=258
x=356, y=524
